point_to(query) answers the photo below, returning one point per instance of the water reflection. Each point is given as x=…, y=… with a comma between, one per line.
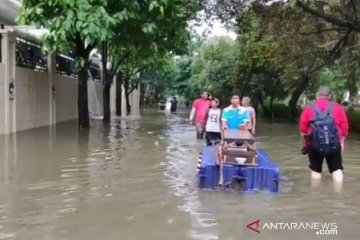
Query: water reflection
x=135, y=179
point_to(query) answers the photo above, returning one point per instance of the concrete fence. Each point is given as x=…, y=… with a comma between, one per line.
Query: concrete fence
x=30, y=98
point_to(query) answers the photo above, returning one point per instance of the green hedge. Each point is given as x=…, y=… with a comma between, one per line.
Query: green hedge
x=281, y=111
x=354, y=116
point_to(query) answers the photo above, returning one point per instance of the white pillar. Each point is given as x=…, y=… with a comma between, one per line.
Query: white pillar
x=8, y=59
x=51, y=67
x=135, y=103
x=123, y=102
x=113, y=97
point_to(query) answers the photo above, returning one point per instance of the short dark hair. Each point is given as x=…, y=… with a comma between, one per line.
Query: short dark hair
x=236, y=93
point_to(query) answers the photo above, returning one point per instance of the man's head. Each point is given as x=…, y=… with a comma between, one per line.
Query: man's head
x=245, y=101
x=323, y=92
x=235, y=100
x=204, y=95
x=215, y=102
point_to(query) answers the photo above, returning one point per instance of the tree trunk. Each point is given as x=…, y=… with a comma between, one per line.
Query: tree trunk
x=106, y=102
x=271, y=109
x=118, y=91
x=265, y=109
x=260, y=99
x=106, y=81
x=353, y=92
x=83, y=110
x=127, y=96
x=352, y=84
x=128, y=106
x=300, y=88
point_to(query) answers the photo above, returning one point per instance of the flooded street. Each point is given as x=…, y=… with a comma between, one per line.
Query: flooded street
x=136, y=179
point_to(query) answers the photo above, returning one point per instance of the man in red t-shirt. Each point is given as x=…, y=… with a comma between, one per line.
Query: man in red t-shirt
x=200, y=111
x=334, y=161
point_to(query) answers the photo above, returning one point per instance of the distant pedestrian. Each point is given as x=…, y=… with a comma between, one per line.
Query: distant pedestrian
x=324, y=126
x=161, y=104
x=199, y=113
x=213, y=124
x=246, y=104
x=187, y=104
x=174, y=103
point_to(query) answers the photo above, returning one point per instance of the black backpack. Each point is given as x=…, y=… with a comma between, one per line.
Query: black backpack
x=325, y=135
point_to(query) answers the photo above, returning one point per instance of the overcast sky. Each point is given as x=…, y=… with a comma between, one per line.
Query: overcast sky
x=215, y=30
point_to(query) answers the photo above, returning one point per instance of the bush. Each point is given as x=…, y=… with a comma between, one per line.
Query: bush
x=281, y=111
x=354, y=116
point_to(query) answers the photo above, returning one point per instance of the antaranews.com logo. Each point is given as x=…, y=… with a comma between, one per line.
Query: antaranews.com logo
x=319, y=228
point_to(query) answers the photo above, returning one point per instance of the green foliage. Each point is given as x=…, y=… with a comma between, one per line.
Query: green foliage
x=148, y=32
x=182, y=78
x=70, y=23
x=278, y=111
x=213, y=67
x=172, y=77
x=354, y=116
x=335, y=78
x=138, y=35
x=283, y=51
x=259, y=69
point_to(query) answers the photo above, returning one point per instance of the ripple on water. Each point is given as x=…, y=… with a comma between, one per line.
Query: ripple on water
x=118, y=180
x=180, y=172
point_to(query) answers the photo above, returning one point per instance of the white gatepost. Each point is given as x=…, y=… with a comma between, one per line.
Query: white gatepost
x=8, y=48
x=51, y=67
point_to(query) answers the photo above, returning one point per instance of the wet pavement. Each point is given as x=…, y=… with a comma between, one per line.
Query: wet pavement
x=136, y=179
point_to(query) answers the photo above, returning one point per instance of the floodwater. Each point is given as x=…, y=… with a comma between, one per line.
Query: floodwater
x=136, y=180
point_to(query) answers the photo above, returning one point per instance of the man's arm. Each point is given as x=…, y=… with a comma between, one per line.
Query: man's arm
x=246, y=120
x=304, y=122
x=224, y=119
x=343, y=124
x=193, y=112
x=220, y=123
x=254, y=119
x=304, y=126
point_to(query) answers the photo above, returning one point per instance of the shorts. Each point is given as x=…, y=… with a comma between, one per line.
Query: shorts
x=200, y=130
x=212, y=138
x=334, y=161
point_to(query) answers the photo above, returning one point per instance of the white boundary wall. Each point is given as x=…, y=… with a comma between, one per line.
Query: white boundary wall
x=35, y=104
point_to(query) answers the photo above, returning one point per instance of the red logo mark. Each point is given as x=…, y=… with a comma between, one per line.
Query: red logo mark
x=254, y=226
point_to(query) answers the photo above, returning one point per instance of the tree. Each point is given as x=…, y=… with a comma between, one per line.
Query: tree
x=145, y=30
x=73, y=26
x=258, y=64
x=299, y=46
x=342, y=15
x=213, y=68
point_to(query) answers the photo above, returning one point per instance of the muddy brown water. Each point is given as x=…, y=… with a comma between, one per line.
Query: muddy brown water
x=135, y=179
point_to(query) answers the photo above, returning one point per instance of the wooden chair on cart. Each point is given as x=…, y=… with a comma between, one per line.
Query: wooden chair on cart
x=238, y=148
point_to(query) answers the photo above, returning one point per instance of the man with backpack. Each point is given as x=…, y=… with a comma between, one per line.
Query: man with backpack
x=324, y=126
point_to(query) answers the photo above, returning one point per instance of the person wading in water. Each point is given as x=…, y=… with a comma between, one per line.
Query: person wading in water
x=324, y=127
x=235, y=116
x=213, y=124
x=246, y=104
x=199, y=112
